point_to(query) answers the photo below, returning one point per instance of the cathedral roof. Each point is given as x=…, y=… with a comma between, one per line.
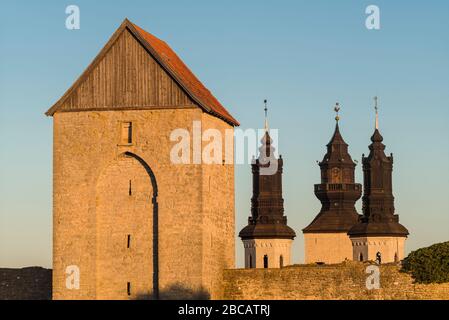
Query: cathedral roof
x=332, y=221
x=377, y=148
x=267, y=231
x=171, y=62
x=337, y=150
x=377, y=137
x=336, y=137
x=369, y=228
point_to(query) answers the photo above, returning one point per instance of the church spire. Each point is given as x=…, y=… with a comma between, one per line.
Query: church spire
x=378, y=200
x=267, y=237
x=326, y=238
x=337, y=191
x=266, y=115
x=337, y=148
x=266, y=150
x=377, y=138
x=379, y=222
x=336, y=137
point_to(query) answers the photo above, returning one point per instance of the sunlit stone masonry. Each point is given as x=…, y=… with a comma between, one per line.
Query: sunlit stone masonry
x=133, y=223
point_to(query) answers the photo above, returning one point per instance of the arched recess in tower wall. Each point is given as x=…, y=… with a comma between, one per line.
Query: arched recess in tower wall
x=127, y=230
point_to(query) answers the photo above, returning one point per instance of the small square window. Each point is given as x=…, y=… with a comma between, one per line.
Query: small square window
x=126, y=134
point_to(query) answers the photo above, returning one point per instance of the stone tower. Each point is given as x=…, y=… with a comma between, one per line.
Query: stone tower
x=267, y=239
x=133, y=222
x=326, y=238
x=379, y=233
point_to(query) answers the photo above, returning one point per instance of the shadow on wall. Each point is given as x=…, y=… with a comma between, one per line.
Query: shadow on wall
x=178, y=291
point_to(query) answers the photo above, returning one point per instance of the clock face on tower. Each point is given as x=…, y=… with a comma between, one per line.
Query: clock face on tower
x=335, y=175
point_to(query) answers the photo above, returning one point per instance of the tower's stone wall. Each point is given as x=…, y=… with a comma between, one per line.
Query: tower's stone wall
x=327, y=247
x=392, y=249
x=277, y=252
x=94, y=212
x=218, y=208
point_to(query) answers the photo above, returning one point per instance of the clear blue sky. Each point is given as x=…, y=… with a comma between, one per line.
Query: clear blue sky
x=301, y=55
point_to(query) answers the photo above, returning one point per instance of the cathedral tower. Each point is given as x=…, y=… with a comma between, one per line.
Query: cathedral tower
x=267, y=238
x=378, y=235
x=326, y=238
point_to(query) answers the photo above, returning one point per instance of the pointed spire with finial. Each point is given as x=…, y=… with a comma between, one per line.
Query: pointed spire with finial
x=377, y=137
x=266, y=149
x=338, y=213
x=336, y=138
x=266, y=115
x=337, y=110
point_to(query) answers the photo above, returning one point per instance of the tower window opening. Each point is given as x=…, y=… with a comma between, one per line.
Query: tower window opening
x=281, y=261
x=361, y=257
x=130, y=191
x=129, y=241
x=265, y=261
x=126, y=133
x=250, y=261
x=128, y=288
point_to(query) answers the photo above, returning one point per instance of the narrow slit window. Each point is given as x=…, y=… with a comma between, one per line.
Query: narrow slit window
x=129, y=241
x=128, y=288
x=265, y=261
x=127, y=133
x=130, y=191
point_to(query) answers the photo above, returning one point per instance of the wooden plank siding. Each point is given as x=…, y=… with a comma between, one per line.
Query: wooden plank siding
x=126, y=77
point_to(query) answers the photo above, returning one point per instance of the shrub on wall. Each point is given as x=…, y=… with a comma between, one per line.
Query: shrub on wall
x=429, y=265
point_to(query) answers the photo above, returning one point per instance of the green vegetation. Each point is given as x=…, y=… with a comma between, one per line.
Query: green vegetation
x=429, y=265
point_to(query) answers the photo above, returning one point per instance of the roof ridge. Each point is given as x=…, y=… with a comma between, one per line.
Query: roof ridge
x=216, y=106
x=170, y=61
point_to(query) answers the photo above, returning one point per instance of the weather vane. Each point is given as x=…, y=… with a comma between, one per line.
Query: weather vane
x=266, y=109
x=266, y=114
x=337, y=109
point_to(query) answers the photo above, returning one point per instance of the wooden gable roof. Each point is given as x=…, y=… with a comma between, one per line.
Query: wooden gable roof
x=184, y=86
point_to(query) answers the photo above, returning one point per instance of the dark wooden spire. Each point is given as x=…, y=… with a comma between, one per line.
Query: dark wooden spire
x=378, y=200
x=337, y=191
x=267, y=218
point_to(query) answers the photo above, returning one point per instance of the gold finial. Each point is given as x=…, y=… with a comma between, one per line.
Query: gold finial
x=337, y=109
x=266, y=114
x=377, y=113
